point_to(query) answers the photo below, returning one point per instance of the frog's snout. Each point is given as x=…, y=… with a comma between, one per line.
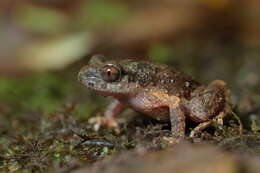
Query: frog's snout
x=83, y=79
x=88, y=77
x=82, y=75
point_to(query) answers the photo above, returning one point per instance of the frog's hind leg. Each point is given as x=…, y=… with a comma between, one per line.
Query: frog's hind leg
x=199, y=128
x=209, y=105
x=218, y=119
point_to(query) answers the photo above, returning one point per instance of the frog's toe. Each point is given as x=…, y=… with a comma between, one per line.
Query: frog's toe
x=199, y=128
x=99, y=121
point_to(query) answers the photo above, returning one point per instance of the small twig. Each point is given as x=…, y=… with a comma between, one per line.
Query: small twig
x=86, y=140
x=254, y=126
x=239, y=122
x=97, y=143
x=82, y=136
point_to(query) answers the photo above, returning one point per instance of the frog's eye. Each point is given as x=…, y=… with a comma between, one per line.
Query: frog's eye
x=111, y=73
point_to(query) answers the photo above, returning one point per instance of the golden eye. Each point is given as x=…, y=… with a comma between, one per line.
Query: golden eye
x=111, y=73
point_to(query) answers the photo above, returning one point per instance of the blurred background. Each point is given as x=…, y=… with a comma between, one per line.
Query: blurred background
x=44, y=43
x=208, y=39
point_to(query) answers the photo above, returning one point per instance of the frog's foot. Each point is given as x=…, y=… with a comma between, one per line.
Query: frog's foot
x=199, y=128
x=218, y=120
x=99, y=121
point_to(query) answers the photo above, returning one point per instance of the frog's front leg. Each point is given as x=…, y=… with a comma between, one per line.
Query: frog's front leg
x=177, y=118
x=108, y=119
x=114, y=109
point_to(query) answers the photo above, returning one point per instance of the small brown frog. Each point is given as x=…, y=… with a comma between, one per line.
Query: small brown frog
x=158, y=91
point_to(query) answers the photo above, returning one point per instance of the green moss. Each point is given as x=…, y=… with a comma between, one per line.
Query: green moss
x=161, y=53
x=100, y=13
x=38, y=92
x=40, y=19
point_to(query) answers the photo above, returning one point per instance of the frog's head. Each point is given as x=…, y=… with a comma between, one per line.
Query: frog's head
x=114, y=78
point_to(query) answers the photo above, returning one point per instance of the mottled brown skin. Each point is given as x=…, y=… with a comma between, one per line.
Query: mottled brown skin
x=156, y=90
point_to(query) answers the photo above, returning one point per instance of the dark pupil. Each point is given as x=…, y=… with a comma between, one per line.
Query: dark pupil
x=108, y=72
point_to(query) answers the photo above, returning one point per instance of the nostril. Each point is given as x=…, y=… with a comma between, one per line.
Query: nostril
x=91, y=84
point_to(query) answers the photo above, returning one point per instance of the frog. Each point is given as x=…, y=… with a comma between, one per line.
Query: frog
x=159, y=91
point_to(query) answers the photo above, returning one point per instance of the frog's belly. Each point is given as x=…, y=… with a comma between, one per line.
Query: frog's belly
x=160, y=114
x=150, y=106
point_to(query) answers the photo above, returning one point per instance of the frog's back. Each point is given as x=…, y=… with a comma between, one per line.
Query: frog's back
x=176, y=82
x=167, y=78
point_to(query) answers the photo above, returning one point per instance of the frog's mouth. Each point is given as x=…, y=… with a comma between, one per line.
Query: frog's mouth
x=92, y=82
x=96, y=84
